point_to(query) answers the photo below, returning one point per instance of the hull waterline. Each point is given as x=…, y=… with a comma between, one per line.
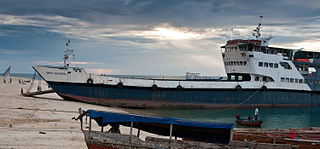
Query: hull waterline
x=140, y=97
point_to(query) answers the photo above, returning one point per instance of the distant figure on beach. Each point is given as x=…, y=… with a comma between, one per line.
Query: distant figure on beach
x=238, y=117
x=19, y=81
x=39, y=89
x=256, y=113
x=249, y=117
x=4, y=81
x=10, y=80
x=82, y=113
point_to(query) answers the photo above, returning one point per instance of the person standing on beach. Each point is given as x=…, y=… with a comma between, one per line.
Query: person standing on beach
x=256, y=113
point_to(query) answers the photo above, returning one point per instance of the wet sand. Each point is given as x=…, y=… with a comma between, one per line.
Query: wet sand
x=42, y=122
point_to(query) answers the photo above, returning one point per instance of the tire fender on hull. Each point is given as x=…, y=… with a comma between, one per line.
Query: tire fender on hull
x=90, y=81
x=179, y=87
x=154, y=87
x=120, y=85
x=238, y=88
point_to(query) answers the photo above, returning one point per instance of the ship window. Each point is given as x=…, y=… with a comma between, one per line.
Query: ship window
x=238, y=63
x=300, y=80
x=240, y=78
x=264, y=78
x=311, y=81
x=260, y=64
x=257, y=78
x=282, y=79
x=244, y=63
x=241, y=63
x=291, y=80
x=265, y=64
x=287, y=80
x=296, y=81
x=285, y=65
x=271, y=65
x=315, y=82
x=276, y=65
x=233, y=77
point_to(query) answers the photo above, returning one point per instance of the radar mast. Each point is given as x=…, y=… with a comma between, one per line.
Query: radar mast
x=256, y=32
x=67, y=54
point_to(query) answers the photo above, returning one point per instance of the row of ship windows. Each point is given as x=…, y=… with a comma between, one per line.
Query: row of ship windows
x=285, y=65
x=293, y=80
x=266, y=64
x=235, y=63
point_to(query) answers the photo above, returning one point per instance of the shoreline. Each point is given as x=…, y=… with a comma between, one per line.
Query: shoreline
x=41, y=122
x=45, y=121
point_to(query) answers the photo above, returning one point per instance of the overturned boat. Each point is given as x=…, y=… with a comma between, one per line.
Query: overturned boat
x=181, y=133
x=257, y=75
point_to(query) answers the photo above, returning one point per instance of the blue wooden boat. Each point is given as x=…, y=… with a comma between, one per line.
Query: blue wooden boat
x=199, y=134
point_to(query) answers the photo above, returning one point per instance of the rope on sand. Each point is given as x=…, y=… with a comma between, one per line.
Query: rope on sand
x=37, y=109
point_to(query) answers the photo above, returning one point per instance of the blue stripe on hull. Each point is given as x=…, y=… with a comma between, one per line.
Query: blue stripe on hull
x=217, y=97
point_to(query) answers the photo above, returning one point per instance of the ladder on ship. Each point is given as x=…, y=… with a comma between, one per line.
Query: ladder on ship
x=39, y=90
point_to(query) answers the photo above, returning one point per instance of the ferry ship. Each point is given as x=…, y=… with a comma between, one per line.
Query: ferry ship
x=257, y=75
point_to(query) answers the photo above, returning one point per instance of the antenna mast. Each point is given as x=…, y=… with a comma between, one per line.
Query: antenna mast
x=67, y=54
x=256, y=32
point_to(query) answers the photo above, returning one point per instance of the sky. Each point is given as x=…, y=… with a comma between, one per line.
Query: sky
x=147, y=37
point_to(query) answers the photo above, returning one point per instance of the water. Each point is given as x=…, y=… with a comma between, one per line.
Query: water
x=284, y=118
x=24, y=75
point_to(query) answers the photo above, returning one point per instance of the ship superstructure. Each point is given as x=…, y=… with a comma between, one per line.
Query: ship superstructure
x=257, y=74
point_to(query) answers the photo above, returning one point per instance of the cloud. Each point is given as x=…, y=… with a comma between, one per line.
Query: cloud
x=104, y=71
x=60, y=63
x=137, y=36
x=75, y=28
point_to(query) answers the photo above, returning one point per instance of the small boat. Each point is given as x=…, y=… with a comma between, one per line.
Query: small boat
x=190, y=134
x=6, y=74
x=251, y=123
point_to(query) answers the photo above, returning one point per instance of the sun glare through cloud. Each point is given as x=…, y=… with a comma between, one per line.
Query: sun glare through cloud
x=163, y=33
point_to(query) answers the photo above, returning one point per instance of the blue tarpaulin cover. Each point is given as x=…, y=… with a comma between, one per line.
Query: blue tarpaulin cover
x=186, y=129
x=109, y=117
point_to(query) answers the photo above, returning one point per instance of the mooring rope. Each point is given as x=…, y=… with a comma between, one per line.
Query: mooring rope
x=36, y=109
x=244, y=101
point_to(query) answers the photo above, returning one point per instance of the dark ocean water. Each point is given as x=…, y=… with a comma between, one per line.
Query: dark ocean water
x=284, y=118
x=23, y=75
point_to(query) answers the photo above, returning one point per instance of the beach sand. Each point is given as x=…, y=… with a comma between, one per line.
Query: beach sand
x=42, y=122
